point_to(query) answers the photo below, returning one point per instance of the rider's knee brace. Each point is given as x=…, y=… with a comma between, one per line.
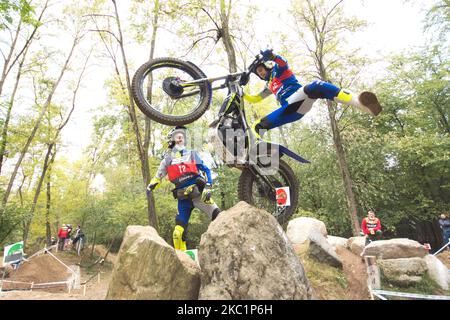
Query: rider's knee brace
x=179, y=240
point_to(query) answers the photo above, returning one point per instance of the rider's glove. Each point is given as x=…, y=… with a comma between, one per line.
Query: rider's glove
x=244, y=79
x=189, y=190
x=268, y=54
x=154, y=183
x=206, y=194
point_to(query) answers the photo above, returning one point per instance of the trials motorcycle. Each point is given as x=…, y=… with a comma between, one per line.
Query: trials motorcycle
x=176, y=92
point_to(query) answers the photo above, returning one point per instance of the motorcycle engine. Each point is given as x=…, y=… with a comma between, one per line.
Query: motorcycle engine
x=230, y=141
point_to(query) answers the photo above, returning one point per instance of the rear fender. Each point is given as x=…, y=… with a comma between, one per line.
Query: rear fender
x=293, y=155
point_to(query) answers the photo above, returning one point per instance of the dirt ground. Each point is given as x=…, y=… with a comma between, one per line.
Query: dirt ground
x=44, y=268
x=101, y=251
x=445, y=258
x=355, y=271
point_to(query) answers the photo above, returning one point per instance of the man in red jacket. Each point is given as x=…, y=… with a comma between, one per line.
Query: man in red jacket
x=62, y=235
x=371, y=227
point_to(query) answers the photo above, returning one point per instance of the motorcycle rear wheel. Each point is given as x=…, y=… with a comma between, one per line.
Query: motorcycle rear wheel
x=254, y=191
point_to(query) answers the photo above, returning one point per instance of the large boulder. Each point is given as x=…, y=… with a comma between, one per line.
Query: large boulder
x=299, y=229
x=438, y=271
x=404, y=271
x=356, y=244
x=317, y=247
x=149, y=268
x=395, y=249
x=245, y=254
x=337, y=241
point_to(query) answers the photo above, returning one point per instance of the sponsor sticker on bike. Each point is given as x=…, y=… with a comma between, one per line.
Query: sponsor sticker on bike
x=283, y=197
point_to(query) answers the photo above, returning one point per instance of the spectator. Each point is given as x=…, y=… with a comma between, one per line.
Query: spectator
x=78, y=235
x=371, y=227
x=444, y=223
x=69, y=230
x=68, y=239
x=62, y=236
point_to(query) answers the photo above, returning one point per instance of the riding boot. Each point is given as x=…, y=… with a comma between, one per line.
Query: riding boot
x=366, y=101
x=177, y=235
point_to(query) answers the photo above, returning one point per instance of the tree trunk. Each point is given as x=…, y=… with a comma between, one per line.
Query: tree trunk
x=33, y=132
x=94, y=237
x=283, y=137
x=143, y=157
x=151, y=210
x=10, y=64
x=318, y=23
x=225, y=33
x=47, y=162
x=48, y=231
x=9, y=57
x=345, y=173
x=8, y=112
x=222, y=200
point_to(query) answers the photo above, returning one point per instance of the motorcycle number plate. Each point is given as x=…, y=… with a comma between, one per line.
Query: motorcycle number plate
x=175, y=171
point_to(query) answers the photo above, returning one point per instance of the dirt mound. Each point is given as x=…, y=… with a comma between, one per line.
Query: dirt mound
x=445, y=258
x=330, y=283
x=355, y=270
x=101, y=251
x=40, y=269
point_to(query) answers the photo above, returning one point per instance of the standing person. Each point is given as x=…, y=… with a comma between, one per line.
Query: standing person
x=69, y=234
x=371, y=227
x=294, y=99
x=62, y=236
x=192, y=189
x=444, y=224
x=78, y=235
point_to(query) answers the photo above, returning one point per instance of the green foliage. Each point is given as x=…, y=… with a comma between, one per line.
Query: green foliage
x=426, y=286
x=15, y=9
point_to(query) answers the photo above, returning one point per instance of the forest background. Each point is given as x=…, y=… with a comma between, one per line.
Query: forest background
x=75, y=149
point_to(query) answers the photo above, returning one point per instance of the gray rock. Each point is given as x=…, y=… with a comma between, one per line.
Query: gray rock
x=403, y=271
x=322, y=251
x=245, y=254
x=438, y=271
x=149, y=268
x=299, y=229
x=337, y=241
x=356, y=244
x=395, y=249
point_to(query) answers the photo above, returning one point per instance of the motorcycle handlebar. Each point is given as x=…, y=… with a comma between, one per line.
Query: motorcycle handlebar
x=245, y=77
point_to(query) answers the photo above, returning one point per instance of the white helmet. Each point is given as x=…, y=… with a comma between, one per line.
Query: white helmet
x=171, y=135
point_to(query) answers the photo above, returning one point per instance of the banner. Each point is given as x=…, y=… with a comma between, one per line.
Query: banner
x=13, y=253
x=193, y=254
